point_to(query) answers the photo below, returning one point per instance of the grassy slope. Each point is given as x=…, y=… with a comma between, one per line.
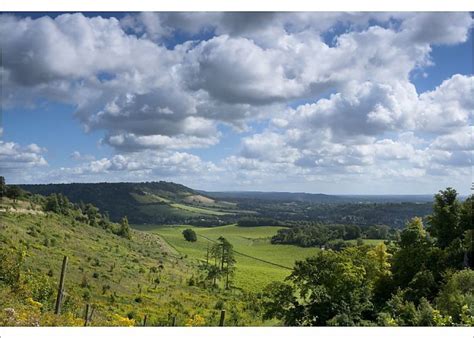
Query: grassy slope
x=47, y=238
x=152, y=202
x=198, y=210
x=251, y=274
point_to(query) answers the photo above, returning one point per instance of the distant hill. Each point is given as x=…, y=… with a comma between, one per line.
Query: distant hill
x=143, y=203
x=171, y=203
x=276, y=196
x=317, y=198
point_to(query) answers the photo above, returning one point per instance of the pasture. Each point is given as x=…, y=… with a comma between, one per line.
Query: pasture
x=258, y=261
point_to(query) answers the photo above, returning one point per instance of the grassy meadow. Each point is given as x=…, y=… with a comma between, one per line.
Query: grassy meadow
x=252, y=273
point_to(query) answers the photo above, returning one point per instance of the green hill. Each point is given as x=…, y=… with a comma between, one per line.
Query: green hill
x=122, y=279
x=143, y=203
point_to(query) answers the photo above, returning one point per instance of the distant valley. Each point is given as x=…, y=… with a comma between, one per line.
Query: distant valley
x=171, y=203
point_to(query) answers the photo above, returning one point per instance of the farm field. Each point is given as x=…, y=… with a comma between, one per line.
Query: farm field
x=251, y=273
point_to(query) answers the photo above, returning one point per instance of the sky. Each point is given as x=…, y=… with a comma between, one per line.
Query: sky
x=337, y=103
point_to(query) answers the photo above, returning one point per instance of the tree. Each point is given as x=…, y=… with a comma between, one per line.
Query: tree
x=92, y=213
x=224, y=261
x=351, y=232
x=227, y=258
x=457, y=293
x=466, y=223
x=332, y=289
x=445, y=221
x=14, y=192
x=52, y=203
x=377, y=231
x=190, y=235
x=413, y=253
x=124, y=230
x=279, y=302
x=3, y=188
x=466, y=220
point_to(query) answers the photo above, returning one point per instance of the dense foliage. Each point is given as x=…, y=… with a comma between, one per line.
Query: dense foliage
x=393, y=214
x=424, y=278
x=330, y=236
x=257, y=222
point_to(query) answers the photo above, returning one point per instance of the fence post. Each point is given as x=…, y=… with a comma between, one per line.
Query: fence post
x=144, y=320
x=174, y=321
x=222, y=320
x=86, y=317
x=59, y=298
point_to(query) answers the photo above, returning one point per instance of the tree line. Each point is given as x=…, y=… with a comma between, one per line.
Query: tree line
x=331, y=235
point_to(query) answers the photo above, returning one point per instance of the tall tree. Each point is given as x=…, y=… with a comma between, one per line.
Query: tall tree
x=445, y=220
x=224, y=260
x=467, y=225
x=412, y=254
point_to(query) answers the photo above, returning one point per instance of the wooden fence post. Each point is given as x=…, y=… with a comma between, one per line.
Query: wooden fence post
x=174, y=321
x=144, y=320
x=86, y=317
x=222, y=320
x=59, y=298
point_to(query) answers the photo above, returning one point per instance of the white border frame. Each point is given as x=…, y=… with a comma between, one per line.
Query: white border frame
x=234, y=5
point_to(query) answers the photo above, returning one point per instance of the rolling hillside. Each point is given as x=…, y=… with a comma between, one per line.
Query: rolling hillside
x=122, y=279
x=171, y=203
x=143, y=203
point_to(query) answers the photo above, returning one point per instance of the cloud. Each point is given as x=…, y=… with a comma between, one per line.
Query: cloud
x=132, y=142
x=336, y=87
x=156, y=162
x=438, y=28
x=14, y=157
x=372, y=129
x=77, y=156
x=364, y=110
x=132, y=84
x=448, y=106
x=460, y=139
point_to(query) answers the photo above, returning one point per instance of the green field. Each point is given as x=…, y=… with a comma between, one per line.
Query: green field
x=198, y=210
x=251, y=273
x=368, y=241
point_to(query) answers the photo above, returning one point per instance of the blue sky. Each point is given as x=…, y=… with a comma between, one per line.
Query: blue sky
x=316, y=102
